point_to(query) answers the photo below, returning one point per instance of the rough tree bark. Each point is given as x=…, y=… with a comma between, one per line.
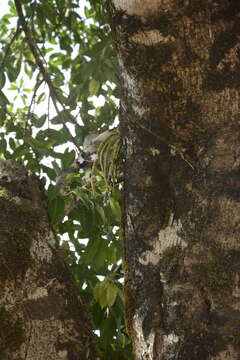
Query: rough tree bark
x=41, y=314
x=179, y=62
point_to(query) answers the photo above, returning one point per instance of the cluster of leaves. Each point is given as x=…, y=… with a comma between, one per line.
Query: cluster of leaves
x=44, y=117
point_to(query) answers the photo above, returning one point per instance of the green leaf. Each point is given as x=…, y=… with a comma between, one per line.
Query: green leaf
x=2, y=80
x=112, y=291
x=116, y=209
x=56, y=208
x=106, y=292
x=100, y=211
x=12, y=72
x=56, y=167
x=12, y=143
x=35, y=143
x=53, y=137
x=63, y=117
x=39, y=122
x=91, y=250
x=13, y=87
x=97, y=291
x=41, y=98
x=52, y=192
x=20, y=152
x=111, y=254
x=3, y=146
x=94, y=86
x=3, y=99
x=100, y=293
x=49, y=171
x=67, y=158
x=2, y=116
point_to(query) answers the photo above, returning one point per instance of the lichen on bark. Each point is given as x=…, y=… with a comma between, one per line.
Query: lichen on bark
x=180, y=77
x=41, y=314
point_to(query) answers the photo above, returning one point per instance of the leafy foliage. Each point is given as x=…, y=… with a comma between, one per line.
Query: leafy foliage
x=58, y=82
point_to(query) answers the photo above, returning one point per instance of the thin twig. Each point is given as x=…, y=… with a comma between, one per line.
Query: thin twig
x=37, y=56
x=48, y=111
x=15, y=36
x=39, y=83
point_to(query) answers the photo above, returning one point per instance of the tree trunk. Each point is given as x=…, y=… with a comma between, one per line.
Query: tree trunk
x=179, y=62
x=41, y=315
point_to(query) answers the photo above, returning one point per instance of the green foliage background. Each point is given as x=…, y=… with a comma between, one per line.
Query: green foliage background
x=37, y=119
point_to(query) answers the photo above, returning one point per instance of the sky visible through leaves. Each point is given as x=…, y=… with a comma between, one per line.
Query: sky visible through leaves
x=81, y=62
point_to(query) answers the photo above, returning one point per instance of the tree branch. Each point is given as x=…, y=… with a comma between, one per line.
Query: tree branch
x=37, y=56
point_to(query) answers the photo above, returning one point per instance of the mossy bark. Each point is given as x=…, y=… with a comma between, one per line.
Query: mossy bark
x=179, y=63
x=41, y=314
